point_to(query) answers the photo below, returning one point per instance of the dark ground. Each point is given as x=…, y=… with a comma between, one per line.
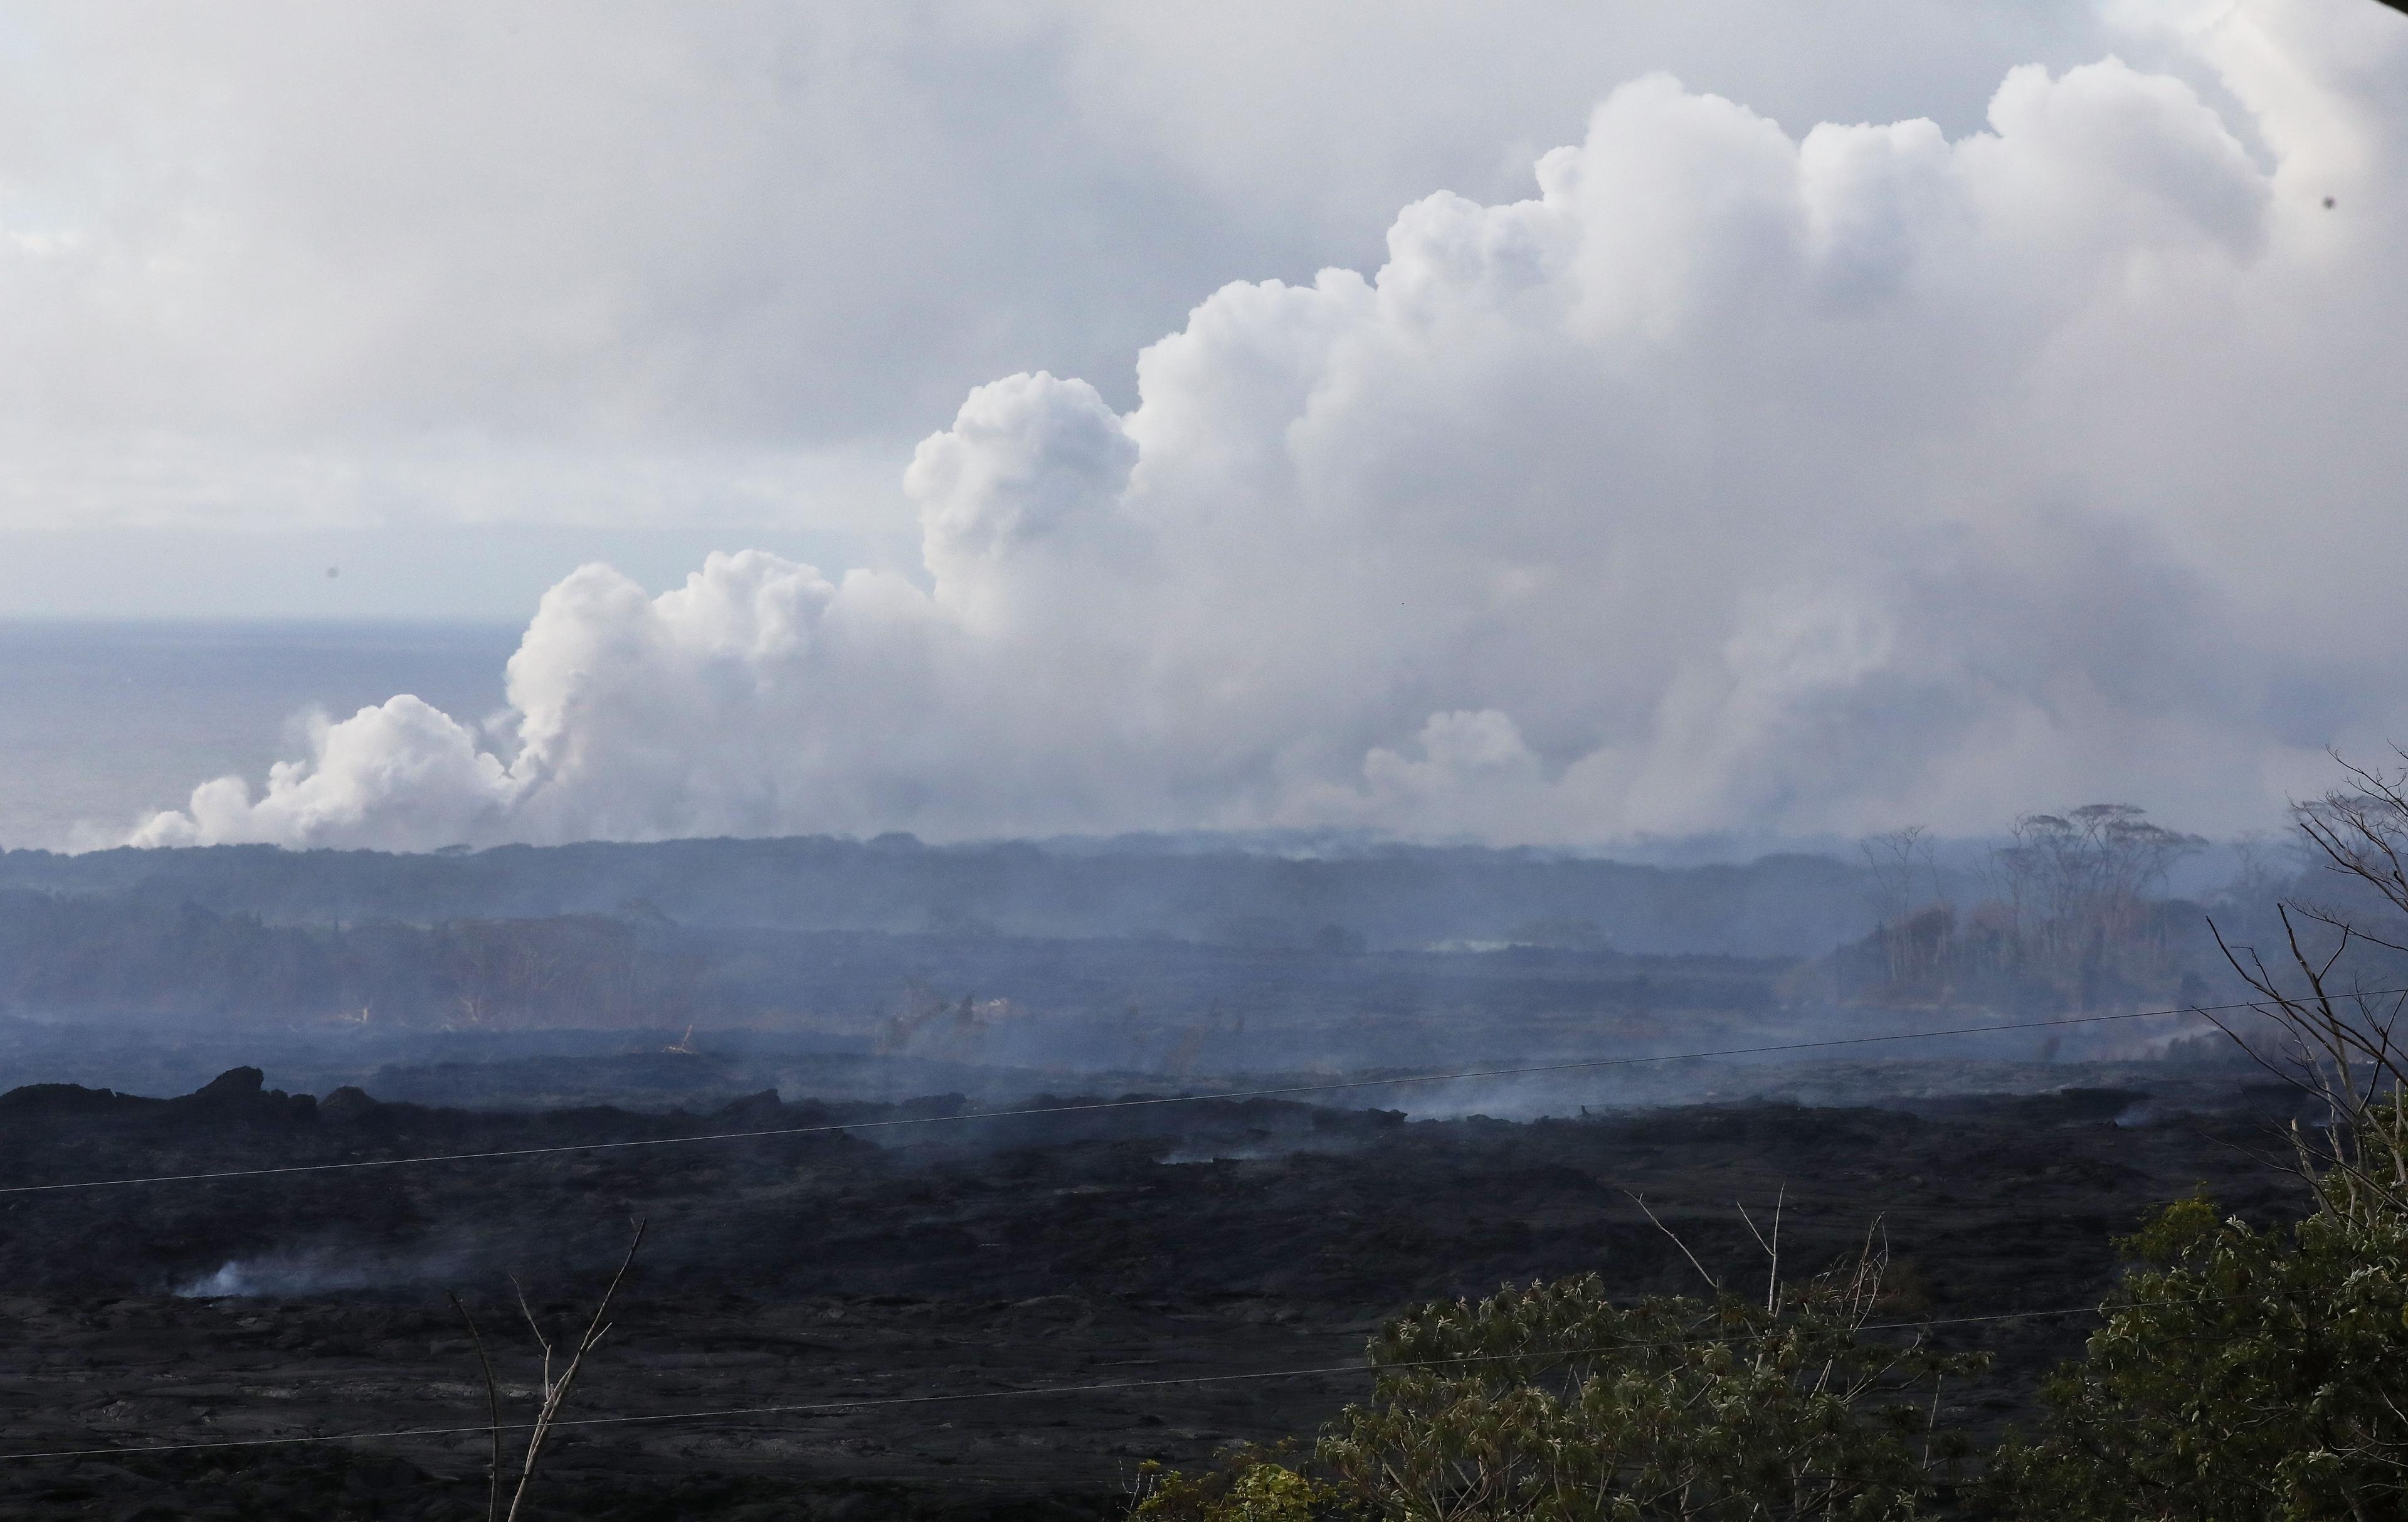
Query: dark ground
x=942, y=1264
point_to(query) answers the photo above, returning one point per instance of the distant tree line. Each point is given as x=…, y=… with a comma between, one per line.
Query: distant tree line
x=2072, y=914
x=1336, y=896
x=134, y=955
x=105, y=956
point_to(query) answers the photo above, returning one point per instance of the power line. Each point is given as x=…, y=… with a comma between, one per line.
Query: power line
x=1039, y=1392
x=1585, y=1065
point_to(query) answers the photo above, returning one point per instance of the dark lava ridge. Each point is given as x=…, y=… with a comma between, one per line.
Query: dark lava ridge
x=1161, y=1243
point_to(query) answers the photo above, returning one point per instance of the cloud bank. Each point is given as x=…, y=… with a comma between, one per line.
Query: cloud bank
x=1736, y=478
x=286, y=267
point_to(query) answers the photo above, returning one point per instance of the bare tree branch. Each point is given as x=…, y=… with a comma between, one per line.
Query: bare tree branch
x=493, y=1412
x=1641, y=1200
x=551, y=1393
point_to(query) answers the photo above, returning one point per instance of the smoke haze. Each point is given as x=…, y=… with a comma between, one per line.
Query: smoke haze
x=1735, y=477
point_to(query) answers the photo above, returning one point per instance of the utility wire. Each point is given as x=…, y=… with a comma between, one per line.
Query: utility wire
x=1585, y=1065
x=1037, y=1392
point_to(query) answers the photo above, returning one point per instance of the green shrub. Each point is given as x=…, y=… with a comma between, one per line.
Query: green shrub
x=1674, y=1407
x=2248, y=1373
x=1553, y=1403
x=1251, y=1485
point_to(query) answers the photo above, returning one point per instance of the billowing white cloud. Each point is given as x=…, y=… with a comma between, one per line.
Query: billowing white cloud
x=1805, y=481
x=285, y=264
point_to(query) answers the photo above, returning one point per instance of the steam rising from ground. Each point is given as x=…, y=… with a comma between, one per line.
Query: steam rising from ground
x=1811, y=482
x=296, y=1272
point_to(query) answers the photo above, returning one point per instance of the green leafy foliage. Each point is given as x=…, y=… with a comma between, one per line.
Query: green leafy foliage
x=1252, y=1485
x=1551, y=1401
x=2248, y=1373
x=2243, y=1373
x=1675, y=1407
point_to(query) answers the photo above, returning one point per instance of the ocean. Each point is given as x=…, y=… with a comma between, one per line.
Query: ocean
x=102, y=723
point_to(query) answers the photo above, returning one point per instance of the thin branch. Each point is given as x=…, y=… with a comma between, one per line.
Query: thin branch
x=1771, y=1247
x=1641, y=1200
x=494, y=1411
x=555, y=1395
x=537, y=1328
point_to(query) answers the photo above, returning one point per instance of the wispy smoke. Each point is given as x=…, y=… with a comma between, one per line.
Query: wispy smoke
x=1808, y=483
x=309, y=1271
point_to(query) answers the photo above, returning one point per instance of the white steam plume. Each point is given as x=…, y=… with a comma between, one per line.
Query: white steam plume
x=1809, y=484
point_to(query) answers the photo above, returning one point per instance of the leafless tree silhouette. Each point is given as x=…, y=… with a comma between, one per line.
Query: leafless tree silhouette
x=551, y=1394
x=2320, y=1023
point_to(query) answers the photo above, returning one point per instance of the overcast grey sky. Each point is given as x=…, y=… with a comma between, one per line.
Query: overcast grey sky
x=462, y=295
x=1531, y=421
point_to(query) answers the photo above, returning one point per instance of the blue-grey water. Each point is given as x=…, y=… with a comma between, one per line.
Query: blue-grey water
x=101, y=723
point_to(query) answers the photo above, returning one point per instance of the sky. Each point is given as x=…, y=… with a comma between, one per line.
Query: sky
x=1532, y=421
